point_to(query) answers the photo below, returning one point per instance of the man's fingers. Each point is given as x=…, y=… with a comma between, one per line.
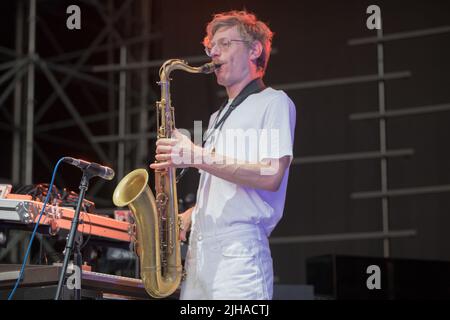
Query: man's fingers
x=163, y=157
x=182, y=235
x=167, y=156
x=160, y=165
x=163, y=149
x=166, y=141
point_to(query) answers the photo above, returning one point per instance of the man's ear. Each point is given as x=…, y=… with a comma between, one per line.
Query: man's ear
x=256, y=50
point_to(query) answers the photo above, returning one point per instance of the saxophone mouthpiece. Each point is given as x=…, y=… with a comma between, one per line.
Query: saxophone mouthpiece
x=210, y=67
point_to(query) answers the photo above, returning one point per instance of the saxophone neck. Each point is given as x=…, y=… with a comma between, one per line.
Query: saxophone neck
x=177, y=64
x=165, y=114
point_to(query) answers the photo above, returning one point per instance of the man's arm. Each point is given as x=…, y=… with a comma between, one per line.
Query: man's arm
x=266, y=175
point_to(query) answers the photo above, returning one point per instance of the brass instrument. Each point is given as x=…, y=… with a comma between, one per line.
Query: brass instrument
x=157, y=222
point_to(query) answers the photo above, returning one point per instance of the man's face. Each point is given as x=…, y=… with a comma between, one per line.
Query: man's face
x=235, y=60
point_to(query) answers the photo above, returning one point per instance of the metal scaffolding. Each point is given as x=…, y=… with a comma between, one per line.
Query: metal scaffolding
x=383, y=154
x=62, y=69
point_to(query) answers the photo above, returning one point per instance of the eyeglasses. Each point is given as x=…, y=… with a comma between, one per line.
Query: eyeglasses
x=223, y=45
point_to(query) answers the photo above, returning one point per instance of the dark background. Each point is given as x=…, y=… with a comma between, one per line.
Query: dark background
x=311, y=42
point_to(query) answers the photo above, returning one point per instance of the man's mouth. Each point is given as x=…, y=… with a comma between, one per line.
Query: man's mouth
x=218, y=65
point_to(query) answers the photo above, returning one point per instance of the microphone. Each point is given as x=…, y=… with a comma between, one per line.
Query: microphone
x=92, y=168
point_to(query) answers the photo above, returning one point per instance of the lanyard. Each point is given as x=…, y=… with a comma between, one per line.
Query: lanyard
x=254, y=86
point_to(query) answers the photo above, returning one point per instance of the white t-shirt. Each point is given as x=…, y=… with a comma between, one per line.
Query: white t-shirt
x=261, y=127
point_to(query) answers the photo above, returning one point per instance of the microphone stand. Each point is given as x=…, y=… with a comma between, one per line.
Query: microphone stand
x=71, y=239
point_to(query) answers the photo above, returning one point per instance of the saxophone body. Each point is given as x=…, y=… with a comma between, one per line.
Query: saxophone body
x=156, y=217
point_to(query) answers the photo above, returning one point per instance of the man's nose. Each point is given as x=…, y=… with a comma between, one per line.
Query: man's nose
x=215, y=52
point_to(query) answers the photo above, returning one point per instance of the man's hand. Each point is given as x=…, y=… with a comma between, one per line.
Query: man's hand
x=176, y=152
x=185, y=222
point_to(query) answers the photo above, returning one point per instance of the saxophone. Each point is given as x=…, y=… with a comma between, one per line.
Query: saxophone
x=156, y=218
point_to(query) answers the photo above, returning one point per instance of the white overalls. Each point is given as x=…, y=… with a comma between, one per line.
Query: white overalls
x=229, y=255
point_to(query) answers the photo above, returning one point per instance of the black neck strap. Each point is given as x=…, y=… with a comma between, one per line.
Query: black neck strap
x=254, y=86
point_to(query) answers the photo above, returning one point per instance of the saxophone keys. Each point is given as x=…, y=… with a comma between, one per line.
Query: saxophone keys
x=180, y=223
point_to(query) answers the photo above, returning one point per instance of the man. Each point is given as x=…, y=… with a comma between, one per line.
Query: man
x=242, y=189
